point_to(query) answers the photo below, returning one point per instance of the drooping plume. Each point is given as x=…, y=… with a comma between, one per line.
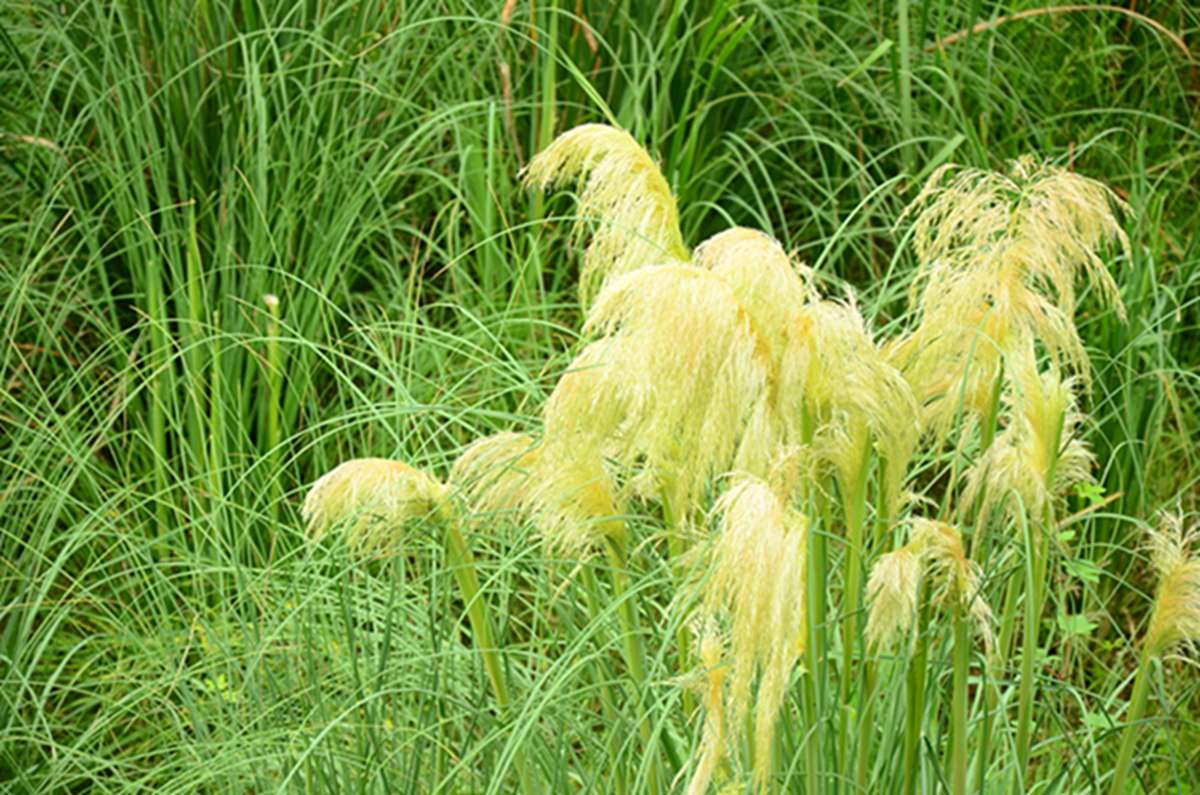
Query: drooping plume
x=999, y=256
x=836, y=384
x=757, y=582
x=1039, y=455
x=625, y=203
x=672, y=383
x=934, y=550
x=565, y=493
x=374, y=497
x=764, y=279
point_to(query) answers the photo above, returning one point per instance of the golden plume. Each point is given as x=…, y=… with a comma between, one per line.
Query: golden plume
x=671, y=385
x=623, y=190
x=999, y=256
x=1039, y=455
x=565, y=493
x=935, y=549
x=837, y=382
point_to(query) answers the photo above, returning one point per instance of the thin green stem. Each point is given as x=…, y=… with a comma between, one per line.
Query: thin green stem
x=1129, y=735
x=958, y=712
x=463, y=564
x=1036, y=554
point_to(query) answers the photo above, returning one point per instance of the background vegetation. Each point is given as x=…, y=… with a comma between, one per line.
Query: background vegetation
x=166, y=167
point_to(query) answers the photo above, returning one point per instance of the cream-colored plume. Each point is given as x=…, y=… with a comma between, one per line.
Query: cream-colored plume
x=1176, y=561
x=935, y=549
x=834, y=377
x=624, y=201
x=682, y=370
x=1039, y=455
x=892, y=592
x=764, y=279
x=564, y=492
x=999, y=257
x=492, y=473
x=758, y=582
x=375, y=497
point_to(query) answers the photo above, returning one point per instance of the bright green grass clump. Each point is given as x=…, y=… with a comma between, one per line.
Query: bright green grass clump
x=627, y=551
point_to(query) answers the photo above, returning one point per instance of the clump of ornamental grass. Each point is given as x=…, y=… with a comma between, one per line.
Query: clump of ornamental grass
x=1174, y=621
x=756, y=583
x=625, y=204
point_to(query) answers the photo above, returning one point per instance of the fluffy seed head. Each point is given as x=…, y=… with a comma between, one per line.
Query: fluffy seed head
x=623, y=190
x=892, y=592
x=565, y=493
x=374, y=496
x=493, y=472
x=1173, y=555
x=935, y=549
x=712, y=742
x=833, y=373
x=999, y=258
x=683, y=370
x=1043, y=221
x=1039, y=455
x=758, y=581
x=764, y=279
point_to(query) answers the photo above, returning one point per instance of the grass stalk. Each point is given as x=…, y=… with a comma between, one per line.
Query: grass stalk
x=462, y=562
x=958, y=709
x=1133, y=719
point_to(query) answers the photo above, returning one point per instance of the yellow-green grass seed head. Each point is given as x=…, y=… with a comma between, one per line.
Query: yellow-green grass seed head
x=833, y=373
x=934, y=550
x=685, y=368
x=758, y=581
x=1039, y=455
x=892, y=592
x=492, y=473
x=1043, y=221
x=712, y=741
x=564, y=491
x=624, y=201
x=764, y=279
x=374, y=497
x=957, y=578
x=1173, y=554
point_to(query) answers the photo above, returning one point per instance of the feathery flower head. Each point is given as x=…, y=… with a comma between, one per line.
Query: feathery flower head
x=624, y=190
x=764, y=279
x=1175, y=560
x=1039, y=455
x=712, y=742
x=999, y=258
x=934, y=549
x=565, y=493
x=1043, y=221
x=758, y=580
x=683, y=369
x=833, y=373
x=492, y=472
x=375, y=496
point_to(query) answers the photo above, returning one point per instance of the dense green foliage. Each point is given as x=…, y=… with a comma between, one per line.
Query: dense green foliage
x=167, y=166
